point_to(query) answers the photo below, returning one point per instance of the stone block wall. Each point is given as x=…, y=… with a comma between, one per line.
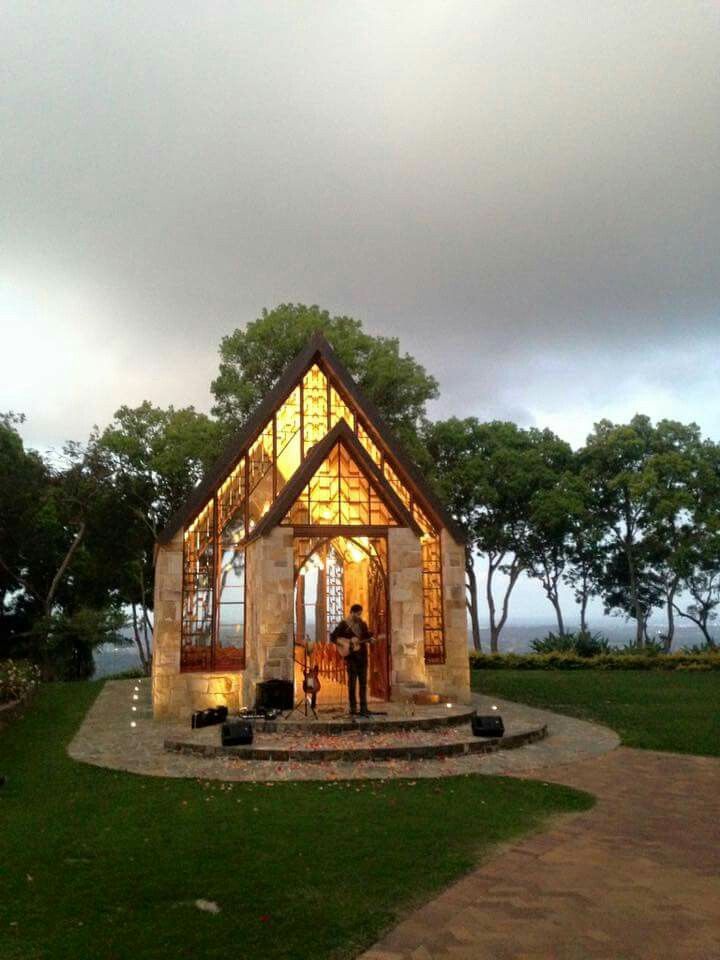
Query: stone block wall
x=452, y=679
x=269, y=611
x=406, y=610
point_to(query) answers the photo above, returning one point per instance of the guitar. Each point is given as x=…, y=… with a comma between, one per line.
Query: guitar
x=311, y=680
x=346, y=646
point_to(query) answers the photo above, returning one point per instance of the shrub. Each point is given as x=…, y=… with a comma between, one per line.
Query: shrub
x=703, y=647
x=66, y=641
x=583, y=643
x=18, y=678
x=616, y=660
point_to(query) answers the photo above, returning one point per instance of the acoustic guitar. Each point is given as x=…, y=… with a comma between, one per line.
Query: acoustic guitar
x=346, y=645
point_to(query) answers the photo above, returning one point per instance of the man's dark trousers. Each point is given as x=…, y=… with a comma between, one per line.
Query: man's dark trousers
x=356, y=664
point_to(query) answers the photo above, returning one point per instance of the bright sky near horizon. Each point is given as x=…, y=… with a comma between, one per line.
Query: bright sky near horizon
x=527, y=195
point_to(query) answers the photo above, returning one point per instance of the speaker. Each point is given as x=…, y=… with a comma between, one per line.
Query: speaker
x=492, y=726
x=206, y=718
x=236, y=733
x=274, y=695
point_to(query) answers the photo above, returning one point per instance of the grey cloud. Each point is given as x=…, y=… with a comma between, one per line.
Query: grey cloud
x=526, y=195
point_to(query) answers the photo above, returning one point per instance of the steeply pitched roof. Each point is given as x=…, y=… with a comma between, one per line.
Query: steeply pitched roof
x=342, y=433
x=317, y=350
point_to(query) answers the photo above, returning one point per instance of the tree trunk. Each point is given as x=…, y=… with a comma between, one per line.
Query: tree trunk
x=583, y=608
x=670, y=615
x=494, y=632
x=496, y=626
x=138, y=641
x=558, y=613
x=147, y=629
x=472, y=603
x=62, y=568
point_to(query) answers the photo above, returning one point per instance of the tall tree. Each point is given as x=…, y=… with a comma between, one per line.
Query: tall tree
x=488, y=474
x=454, y=447
x=587, y=547
x=615, y=458
x=154, y=457
x=253, y=358
x=554, y=510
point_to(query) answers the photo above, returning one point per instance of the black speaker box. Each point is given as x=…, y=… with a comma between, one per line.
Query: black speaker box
x=491, y=726
x=274, y=695
x=236, y=733
x=206, y=718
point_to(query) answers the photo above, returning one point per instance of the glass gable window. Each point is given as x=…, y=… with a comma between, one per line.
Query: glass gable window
x=339, y=494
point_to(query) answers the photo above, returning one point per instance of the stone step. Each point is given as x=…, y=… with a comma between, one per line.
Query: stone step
x=354, y=754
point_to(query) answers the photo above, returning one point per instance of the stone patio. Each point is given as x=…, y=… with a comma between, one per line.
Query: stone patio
x=119, y=732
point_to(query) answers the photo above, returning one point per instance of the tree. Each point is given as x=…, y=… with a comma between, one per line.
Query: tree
x=154, y=457
x=614, y=458
x=252, y=360
x=587, y=548
x=47, y=513
x=488, y=474
x=554, y=513
x=698, y=563
x=453, y=450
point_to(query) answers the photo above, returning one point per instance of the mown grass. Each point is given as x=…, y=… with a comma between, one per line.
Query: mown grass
x=676, y=711
x=106, y=865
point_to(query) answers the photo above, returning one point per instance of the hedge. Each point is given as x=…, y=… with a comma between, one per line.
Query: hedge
x=18, y=678
x=604, y=661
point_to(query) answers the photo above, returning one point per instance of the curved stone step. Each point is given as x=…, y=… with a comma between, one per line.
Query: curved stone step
x=454, y=717
x=415, y=751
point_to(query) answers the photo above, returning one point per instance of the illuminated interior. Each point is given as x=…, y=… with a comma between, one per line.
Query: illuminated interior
x=339, y=494
x=330, y=575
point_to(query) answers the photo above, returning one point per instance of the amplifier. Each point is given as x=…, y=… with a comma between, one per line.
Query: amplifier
x=236, y=733
x=206, y=718
x=274, y=695
x=492, y=726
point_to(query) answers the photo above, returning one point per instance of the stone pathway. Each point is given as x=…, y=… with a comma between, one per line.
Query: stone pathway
x=635, y=878
x=119, y=732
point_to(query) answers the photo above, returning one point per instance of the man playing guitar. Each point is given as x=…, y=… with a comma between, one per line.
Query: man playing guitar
x=352, y=636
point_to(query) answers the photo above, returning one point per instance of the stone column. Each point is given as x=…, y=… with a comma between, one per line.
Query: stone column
x=406, y=612
x=167, y=615
x=269, y=610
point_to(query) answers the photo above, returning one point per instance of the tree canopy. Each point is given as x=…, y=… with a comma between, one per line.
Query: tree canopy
x=253, y=358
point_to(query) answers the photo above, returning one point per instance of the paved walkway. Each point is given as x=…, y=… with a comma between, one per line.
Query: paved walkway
x=635, y=878
x=119, y=732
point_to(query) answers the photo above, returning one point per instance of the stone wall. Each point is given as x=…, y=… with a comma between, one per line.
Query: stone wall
x=270, y=619
x=269, y=612
x=406, y=611
x=452, y=679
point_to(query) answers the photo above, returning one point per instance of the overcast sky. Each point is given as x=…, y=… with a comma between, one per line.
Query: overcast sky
x=526, y=194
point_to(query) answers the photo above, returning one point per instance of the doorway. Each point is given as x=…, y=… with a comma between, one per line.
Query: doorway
x=331, y=573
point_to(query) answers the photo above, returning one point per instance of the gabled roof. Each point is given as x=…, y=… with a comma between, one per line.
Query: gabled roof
x=317, y=350
x=342, y=433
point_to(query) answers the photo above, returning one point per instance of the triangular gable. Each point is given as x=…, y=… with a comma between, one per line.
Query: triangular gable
x=318, y=383
x=314, y=470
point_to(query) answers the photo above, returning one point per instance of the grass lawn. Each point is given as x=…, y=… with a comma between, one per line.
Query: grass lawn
x=99, y=864
x=656, y=710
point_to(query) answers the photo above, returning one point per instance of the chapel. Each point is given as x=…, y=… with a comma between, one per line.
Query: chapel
x=312, y=507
